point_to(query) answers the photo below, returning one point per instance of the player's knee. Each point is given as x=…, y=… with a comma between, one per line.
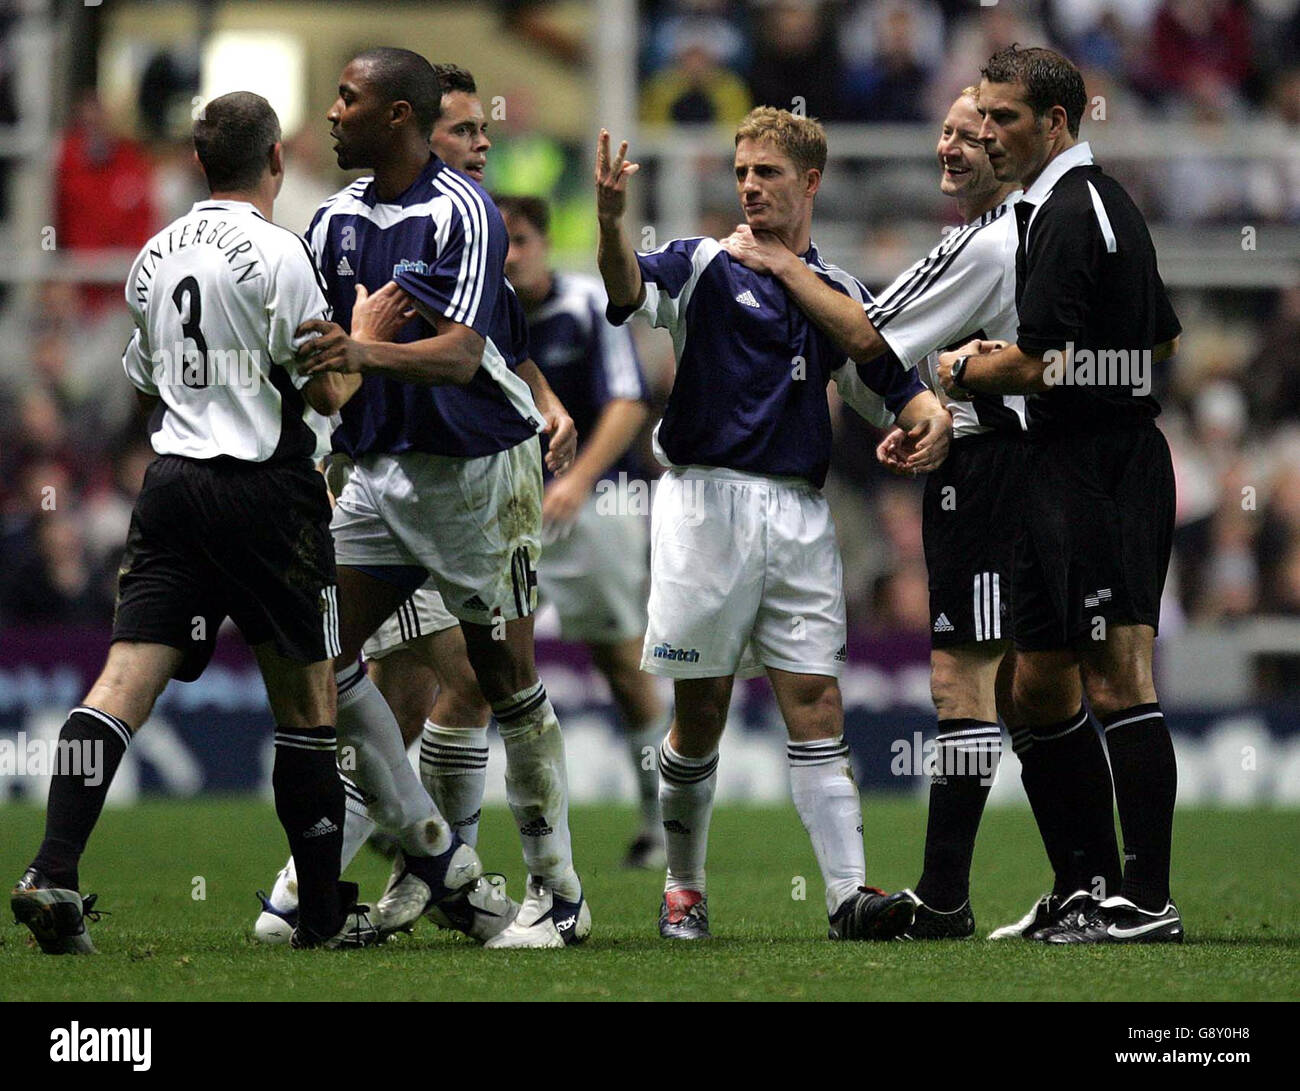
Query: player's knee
x=1120, y=690
x=954, y=694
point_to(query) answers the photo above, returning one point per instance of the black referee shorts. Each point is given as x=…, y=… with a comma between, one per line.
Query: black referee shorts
x=969, y=518
x=1096, y=536
x=221, y=538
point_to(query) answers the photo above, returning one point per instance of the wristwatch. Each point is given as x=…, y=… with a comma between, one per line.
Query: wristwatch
x=958, y=370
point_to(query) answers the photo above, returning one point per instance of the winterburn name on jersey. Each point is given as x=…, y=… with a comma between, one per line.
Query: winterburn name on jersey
x=229, y=238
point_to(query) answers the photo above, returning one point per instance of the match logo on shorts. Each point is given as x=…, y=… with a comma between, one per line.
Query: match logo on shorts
x=681, y=655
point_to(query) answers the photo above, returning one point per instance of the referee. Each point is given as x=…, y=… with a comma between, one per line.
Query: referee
x=1093, y=549
x=232, y=520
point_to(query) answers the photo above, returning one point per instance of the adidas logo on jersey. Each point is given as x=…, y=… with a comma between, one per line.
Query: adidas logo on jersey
x=343, y=268
x=475, y=603
x=1089, y=601
x=747, y=298
x=321, y=828
x=943, y=625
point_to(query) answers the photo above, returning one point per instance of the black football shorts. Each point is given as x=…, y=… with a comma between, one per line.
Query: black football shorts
x=1096, y=536
x=219, y=538
x=969, y=518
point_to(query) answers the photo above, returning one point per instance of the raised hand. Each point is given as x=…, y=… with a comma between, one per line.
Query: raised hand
x=611, y=178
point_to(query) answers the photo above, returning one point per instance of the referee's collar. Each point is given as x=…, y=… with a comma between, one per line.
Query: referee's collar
x=1078, y=156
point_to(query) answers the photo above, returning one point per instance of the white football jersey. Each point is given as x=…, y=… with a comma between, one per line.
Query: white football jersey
x=216, y=297
x=965, y=286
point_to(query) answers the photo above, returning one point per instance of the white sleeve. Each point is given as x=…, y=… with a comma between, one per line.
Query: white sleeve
x=297, y=295
x=137, y=361
x=953, y=291
x=859, y=397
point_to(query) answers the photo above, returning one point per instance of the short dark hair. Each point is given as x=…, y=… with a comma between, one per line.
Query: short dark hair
x=533, y=209
x=400, y=75
x=1048, y=78
x=454, y=78
x=233, y=136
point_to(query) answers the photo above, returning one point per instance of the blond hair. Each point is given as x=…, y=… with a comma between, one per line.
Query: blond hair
x=802, y=139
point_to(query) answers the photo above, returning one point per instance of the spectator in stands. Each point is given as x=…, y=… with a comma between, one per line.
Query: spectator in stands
x=695, y=89
x=1191, y=39
x=56, y=584
x=889, y=64
x=104, y=197
x=1274, y=369
x=721, y=22
x=796, y=62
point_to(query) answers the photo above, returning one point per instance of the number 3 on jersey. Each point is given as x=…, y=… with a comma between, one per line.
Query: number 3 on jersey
x=186, y=298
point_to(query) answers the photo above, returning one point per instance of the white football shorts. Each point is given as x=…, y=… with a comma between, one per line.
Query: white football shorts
x=737, y=560
x=473, y=523
x=597, y=571
x=420, y=615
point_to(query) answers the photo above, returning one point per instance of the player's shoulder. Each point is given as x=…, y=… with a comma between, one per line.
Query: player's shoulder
x=692, y=247
x=447, y=185
x=990, y=235
x=839, y=278
x=345, y=200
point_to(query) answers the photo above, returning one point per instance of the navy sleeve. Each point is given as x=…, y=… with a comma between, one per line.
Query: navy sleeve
x=469, y=272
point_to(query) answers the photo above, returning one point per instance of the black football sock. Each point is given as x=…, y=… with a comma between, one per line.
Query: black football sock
x=1146, y=782
x=1048, y=811
x=309, y=802
x=967, y=753
x=91, y=745
x=1078, y=781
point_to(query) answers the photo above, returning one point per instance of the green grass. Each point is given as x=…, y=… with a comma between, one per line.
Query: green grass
x=1237, y=880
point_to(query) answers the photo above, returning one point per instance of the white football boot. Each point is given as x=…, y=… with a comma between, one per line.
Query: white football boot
x=545, y=920
x=279, y=916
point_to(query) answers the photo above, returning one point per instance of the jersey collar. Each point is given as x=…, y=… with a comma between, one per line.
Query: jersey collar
x=1078, y=156
x=414, y=191
x=225, y=205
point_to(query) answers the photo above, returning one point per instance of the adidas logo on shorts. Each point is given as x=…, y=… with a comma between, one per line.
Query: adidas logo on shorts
x=321, y=828
x=1089, y=601
x=943, y=625
x=842, y=655
x=747, y=298
x=343, y=268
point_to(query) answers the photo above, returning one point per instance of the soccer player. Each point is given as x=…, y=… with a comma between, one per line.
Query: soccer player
x=1095, y=540
x=963, y=289
x=232, y=520
x=417, y=658
x=743, y=548
x=447, y=469
x=595, y=566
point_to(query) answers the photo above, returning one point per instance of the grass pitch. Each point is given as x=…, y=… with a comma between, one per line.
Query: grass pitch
x=1237, y=882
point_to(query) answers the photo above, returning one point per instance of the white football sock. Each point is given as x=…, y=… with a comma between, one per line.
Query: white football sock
x=453, y=768
x=643, y=749
x=372, y=754
x=821, y=781
x=357, y=823
x=686, y=787
x=537, y=787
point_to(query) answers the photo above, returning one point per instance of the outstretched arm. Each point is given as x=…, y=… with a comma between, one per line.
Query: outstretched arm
x=614, y=254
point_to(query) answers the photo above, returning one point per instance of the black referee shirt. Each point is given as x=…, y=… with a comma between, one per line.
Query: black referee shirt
x=1086, y=276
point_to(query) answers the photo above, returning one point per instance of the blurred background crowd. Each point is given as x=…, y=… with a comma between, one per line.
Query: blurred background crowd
x=1190, y=76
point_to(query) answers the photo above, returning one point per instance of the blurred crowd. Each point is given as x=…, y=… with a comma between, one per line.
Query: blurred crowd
x=72, y=448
